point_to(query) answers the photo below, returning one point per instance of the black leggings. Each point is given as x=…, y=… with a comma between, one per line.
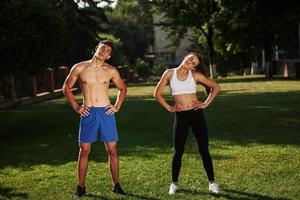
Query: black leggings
x=184, y=120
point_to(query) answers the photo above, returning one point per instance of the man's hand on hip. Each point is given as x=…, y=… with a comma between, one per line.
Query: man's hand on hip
x=83, y=110
x=111, y=109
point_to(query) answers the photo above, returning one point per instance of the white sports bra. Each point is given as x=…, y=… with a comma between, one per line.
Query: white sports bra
x=187, y=86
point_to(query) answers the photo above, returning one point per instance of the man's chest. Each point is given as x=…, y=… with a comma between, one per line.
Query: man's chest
x=92, y=77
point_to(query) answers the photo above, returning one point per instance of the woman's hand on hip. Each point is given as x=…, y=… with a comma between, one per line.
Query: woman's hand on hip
x=201, y=105
x=171, y=108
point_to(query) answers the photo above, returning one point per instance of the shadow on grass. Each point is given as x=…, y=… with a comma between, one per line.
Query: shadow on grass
x=232, y=194
x=140, y=197
x=268, y=118
x=47, y=133
x=96, y=196
x=10, y=193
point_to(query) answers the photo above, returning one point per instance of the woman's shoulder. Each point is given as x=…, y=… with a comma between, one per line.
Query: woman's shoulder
x=197, y=73
x=169, y=72
x=198, y=76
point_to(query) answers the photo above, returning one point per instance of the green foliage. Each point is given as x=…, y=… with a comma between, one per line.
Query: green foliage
x=196, y=17
x=105, y=36
x=81, y=25
x=36, y=34
x=233, y=28
x=142, y=68
x=131, y=21
x=31, y=33
x=247, y=27
x=117, y=57
x=158, y=68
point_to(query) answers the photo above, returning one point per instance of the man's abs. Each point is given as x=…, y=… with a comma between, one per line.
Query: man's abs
x=95, y=96
x=94, y=85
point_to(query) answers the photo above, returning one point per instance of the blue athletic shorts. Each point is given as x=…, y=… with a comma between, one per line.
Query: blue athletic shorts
x=97, y=125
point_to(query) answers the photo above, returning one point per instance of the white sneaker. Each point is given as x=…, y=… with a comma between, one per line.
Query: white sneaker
x=173, y=189
x=213, y=187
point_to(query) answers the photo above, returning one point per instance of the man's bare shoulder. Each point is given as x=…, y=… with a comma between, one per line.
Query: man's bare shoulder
x=81, y=65
x=109, y=68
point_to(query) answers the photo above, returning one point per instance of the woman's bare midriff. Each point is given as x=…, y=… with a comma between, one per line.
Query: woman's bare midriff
x=185, y=101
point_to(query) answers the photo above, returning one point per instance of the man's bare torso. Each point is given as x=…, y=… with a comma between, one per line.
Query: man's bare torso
x=94, y=82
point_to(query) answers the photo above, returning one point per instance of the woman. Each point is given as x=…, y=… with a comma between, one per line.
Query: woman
x=188, y=113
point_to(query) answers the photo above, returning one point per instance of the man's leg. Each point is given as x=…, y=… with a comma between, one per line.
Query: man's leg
x=113, y=161
x=82, y=164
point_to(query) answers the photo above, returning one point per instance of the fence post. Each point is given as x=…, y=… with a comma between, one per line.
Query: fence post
x=297, y=70
x=63, y=72
x=12, y=95
x=50, y=80
x=33, y=86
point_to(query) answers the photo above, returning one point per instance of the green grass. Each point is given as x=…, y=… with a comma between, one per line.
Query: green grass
x=254, y=140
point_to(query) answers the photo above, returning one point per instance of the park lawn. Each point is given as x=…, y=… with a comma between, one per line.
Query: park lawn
x=254, y=141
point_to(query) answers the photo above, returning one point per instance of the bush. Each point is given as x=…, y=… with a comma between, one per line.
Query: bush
x=142, y=68
x=158, y=68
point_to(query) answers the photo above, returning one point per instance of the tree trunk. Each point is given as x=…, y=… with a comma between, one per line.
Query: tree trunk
x=268, y=55
x=209, y=39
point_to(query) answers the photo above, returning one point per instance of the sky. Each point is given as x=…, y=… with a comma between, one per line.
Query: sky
x=105, y=4
x=102, y=4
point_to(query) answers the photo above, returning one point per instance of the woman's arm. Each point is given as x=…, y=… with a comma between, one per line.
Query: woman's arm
x=215, y=88
x=159, y=89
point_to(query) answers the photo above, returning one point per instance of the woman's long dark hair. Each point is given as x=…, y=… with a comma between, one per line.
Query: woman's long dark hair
x=202, y=70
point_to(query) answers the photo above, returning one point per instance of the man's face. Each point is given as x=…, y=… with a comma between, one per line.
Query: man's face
x=103, y=52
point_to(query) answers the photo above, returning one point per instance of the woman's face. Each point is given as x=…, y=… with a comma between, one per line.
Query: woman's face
x=191, y=61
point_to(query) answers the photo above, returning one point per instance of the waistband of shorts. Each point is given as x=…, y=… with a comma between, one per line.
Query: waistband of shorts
x=97, y=108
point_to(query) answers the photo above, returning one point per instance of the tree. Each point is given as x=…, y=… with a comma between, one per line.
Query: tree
x=232, y=28
x=82, y=27
x=276, y=23
x=131, y=21
x=247, y=27
x=31, y=33
x=181, y=16
x=234, y=38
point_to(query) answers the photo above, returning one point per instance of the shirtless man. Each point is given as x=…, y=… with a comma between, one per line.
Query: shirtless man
x=97, y=119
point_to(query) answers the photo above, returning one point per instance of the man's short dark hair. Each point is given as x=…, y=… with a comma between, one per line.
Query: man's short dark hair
x=108, y=43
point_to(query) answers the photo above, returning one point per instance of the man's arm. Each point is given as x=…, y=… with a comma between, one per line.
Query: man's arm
x=119, y=83
x=67, y=90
